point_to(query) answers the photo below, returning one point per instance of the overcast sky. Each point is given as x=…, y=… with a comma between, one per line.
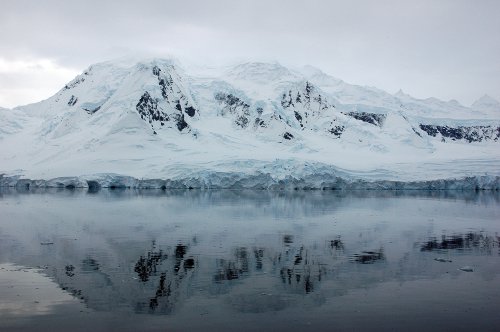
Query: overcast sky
x=449, y=49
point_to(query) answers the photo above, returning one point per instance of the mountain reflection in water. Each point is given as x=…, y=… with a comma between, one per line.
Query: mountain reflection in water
x=245, y=252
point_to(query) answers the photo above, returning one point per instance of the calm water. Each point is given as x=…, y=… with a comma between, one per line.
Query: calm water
x=249, y=260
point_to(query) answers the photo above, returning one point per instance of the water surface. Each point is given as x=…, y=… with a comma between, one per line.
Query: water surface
x=249, y=260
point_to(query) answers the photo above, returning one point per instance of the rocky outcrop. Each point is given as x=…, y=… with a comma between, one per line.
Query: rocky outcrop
x=466, y=133
x=232, y=105
x=169, y=110
x=305, y=103
x=371, y=118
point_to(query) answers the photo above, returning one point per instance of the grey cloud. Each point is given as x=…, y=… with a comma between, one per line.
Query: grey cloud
x=420, y=46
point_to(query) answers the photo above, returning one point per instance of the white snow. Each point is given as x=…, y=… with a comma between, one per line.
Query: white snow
x=487, y=105
x=91, y=130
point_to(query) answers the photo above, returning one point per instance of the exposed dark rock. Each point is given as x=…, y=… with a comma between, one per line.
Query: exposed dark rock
x=429, y=129
x=235, y=106
x=156, y=71
x=307, y=93
x=149, y=111
x=260, y=123
x=92, y=110
x=371, y=118
x=299, y=118
x=298, y=99
x=336, y=130
x=180, y=122
x=305, y=103
x=416, y=132
x=72, y=101
x=287, y=100
x=165, y=82
x=74, y=83
x=470, y=134
x=232, y=103
x=242, y=121
x=178, y=106
x=190, y=110
x=287, y=136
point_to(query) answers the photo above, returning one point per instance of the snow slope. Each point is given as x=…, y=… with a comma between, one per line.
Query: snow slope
x=154, y=123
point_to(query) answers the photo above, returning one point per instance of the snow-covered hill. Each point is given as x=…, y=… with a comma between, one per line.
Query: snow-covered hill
x=255, y=125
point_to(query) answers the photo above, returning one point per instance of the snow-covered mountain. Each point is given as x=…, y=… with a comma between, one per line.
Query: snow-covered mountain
x=254, y=125
x=487, y=105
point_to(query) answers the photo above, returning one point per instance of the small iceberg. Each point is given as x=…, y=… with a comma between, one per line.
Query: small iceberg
x=442, y=260
x=466, y=269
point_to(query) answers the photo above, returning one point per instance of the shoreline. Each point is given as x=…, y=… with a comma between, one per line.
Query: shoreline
x=238, y=181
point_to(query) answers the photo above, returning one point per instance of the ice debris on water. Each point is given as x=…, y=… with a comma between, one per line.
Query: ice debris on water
x=443, y=260
x=466, y=269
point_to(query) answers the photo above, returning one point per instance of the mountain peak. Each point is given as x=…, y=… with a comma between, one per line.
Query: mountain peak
x=400, y=93
x=486, y=101
x=318, y=76
x=127, y=63
x=261, y=71
x=487, y=105
x=312, y=71
x=454, y=102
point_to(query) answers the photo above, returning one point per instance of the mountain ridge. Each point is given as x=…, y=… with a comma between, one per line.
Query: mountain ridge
x=140, y=119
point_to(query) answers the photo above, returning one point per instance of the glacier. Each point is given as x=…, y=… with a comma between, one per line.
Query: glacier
x=155, y=124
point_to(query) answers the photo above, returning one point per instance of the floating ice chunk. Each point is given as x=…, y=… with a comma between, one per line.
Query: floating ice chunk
x=443, y=260
x=466, y=269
